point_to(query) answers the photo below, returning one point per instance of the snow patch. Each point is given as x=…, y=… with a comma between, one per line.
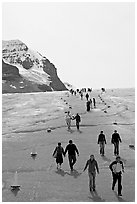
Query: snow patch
x=14, y=87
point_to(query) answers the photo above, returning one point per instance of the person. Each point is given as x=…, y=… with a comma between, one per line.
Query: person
x=92, y=167
x=68, y=120
x=59, y=151
x=88, y=105
x=94, y=102
x=102, y=142
x=78, y=120
x=87, y=96
x=72, y=150
x=115, y=140
x=81, y=95
x=117, y=168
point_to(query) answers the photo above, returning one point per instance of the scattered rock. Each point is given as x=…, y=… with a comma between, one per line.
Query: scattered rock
x=48, y=130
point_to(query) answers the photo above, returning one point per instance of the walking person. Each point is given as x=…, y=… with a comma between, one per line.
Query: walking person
x=115, y=140
x=92, y=167
x=68, y=120
x=88, y=106
x=117, y=168
x=78, y=120
x=87, y=96
x=94, y=102
x=58, y=154
x=102, y=142
x=81, y=95
x=72, y=150
x=90, y=103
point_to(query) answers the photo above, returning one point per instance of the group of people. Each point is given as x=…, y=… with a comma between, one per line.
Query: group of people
x=101, y=138
x=59, y=152
x=70, y=117
x=114, y=140
x=89, y=104
x=116, y=166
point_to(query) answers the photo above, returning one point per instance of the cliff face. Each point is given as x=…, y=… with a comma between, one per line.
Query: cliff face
x=24, y=70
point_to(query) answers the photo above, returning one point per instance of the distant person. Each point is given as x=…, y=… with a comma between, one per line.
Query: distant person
x=81, y=95
x=103, y=90
x=87, y=96
x=92, y=167
x=78, y=120
x=59, y=152
x=94, y=102
x=88, y=105
x=117, y=168
x=115, y=140
x=68, y=120
x=71, y=91
x=72, y=150
x=102, y=142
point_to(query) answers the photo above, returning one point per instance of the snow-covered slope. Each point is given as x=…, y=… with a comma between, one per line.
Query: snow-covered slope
x=32, y=67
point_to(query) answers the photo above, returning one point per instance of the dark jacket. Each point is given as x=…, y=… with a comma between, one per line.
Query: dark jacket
x=115, y=138
x=78, y=119
x=72, y=149
x=114, y=163
x=92, y=166
x=59, y=151
x=87, y=95
x=101, y=138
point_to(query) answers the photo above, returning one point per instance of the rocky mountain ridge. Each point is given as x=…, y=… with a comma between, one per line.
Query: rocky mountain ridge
x=25, y=70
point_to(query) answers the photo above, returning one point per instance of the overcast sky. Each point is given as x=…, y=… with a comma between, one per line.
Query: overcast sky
x=90, y=44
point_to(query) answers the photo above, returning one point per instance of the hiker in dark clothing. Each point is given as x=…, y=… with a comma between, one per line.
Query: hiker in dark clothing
x=88, y=106
x=92, y=167
x=117, y=168
x=115, y=140
x=90, y=103
x=87, y=96
x=78, y=120
x=72, y=150
x=94, y=102
x=102, y=142
x=58, y=154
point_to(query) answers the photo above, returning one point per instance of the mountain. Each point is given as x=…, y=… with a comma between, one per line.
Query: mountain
x=25, y=70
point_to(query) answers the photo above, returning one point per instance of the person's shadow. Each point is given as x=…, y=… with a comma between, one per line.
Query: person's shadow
x=106, y=159
x=95, y=197
x=61, y=172
x=74, y=173
x=79, y=131
x=71, y=131
x=120, y=199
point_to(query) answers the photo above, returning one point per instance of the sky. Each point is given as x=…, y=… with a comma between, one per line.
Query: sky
x=92, y=44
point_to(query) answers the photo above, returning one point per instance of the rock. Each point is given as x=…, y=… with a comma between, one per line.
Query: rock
x=132, y=146
x=48, y=130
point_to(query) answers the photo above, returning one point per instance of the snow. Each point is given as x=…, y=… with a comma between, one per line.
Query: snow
x=14, y=87
x=39, y=179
